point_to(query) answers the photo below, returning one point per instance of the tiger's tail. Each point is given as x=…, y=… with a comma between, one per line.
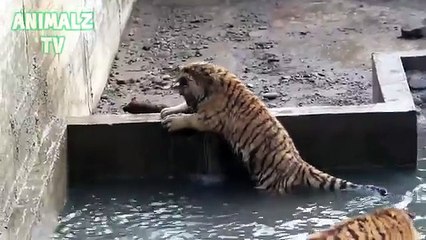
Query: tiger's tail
x=324, y=181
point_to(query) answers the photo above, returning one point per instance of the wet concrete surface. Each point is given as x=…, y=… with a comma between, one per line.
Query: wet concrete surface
x=292, y=53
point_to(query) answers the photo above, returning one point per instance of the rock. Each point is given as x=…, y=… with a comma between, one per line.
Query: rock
x=198, y=54
x=128, y=81
x=422, y=96
x=263, y=45
x=166, y=77
x=416, y=80
x=166, y=87
x=285, y=99
x=159, y=82
x=411, y=31
x=146, y=48
x=120, y=81
x=418, y=111
x=270, y=95
x=249, y=85
x=273, y=59
x=417, y=100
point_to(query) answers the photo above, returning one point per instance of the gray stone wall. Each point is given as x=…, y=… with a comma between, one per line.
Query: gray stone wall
x=37, y=92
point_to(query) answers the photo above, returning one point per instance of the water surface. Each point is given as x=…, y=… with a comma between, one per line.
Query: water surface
x=175, y=210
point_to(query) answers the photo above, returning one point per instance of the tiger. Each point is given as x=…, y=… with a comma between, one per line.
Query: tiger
x=217, y=101
x=383, y=223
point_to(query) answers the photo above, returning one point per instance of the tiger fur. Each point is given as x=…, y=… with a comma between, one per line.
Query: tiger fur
x=384, y=223
x=217, y=101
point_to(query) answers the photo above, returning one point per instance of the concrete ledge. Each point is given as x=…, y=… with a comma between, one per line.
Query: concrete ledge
x=383, y=134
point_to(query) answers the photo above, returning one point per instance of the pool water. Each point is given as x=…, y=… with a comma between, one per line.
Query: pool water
x=178, y=210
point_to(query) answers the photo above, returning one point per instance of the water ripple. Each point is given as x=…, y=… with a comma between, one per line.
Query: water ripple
x=138, y=213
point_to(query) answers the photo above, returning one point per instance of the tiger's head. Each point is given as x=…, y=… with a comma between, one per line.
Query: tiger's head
x=197, y=81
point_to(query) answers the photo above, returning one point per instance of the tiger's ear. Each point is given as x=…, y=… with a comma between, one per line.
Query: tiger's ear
x=412, y=215
x=203, y=78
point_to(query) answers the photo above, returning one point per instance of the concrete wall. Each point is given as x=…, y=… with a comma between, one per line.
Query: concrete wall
x=113, y=147
x=37, y=91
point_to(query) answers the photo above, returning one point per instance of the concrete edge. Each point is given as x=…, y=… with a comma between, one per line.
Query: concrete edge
x=391, y=93
x=111, y=119
x=390, y=74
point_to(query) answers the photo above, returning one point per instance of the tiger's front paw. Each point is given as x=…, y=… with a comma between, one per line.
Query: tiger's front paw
x=174, y=122
x=166, y=112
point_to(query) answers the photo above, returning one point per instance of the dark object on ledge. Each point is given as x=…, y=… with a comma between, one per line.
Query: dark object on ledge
x=136, y=107
x=413, y=33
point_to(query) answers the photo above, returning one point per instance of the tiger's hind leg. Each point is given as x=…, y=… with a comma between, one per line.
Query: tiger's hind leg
x=268, y=191
x=175, y=122
x=280, y=186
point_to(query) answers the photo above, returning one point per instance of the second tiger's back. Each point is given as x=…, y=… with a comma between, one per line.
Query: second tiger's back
x=386, y=223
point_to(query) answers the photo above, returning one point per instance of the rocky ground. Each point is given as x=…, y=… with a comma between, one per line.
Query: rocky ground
x=289, y=52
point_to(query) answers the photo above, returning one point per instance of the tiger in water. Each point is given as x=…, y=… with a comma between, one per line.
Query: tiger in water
x=385, y=223
x=216, y=100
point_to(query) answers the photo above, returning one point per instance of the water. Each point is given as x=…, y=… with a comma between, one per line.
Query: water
x=174, y=210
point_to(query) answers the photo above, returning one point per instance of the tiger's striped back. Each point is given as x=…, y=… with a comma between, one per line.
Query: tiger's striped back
x=386, y=223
